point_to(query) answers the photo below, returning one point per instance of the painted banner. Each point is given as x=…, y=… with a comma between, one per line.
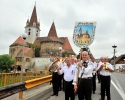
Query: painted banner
x=84, y=33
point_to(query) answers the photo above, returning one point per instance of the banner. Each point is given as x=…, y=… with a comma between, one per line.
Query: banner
x=84, y=33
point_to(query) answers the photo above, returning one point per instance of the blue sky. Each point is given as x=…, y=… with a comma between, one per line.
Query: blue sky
x=85, y=28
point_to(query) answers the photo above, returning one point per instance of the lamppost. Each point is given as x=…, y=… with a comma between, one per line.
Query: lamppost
x=24, y=36
x=60, y=50
x=114, y=54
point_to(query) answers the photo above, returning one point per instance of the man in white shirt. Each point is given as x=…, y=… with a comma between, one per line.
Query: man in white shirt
x=84, y=86
x=105, y=69
x=55, y=76
x=69, y=72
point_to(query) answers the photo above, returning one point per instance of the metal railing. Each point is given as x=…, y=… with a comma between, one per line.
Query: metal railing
x=12, y=78
x=22, y=86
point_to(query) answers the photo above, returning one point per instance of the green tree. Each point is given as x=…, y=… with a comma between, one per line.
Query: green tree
x=65, y=54
x=36, y=47
x=5, y=63
x=37, y=50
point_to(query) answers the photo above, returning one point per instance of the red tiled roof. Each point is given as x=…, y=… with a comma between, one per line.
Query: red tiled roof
x=66, y=45
x=38, y=40
x=19, y=41
x=26, y=50
x=52, y=31
x=50, y=39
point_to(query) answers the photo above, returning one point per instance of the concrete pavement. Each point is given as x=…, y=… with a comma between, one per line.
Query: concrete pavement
x=61, y=95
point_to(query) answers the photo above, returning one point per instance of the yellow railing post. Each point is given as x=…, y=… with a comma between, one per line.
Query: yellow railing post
x=5, y=79
x=21, y=95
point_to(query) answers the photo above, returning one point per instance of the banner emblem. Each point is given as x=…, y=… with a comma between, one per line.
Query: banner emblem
x=84, y=33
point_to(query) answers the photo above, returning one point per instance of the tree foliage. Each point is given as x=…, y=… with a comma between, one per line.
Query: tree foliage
x=6, y=63
x=65, y=54
x=36, y=47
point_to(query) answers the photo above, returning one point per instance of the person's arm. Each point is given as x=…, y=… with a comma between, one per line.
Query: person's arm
x=60, y=71
x=50, y=67
x=100, y=67
x=75, y=80
x=110, y=68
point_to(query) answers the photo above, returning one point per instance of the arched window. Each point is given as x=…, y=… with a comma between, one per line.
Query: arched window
x=34, y=24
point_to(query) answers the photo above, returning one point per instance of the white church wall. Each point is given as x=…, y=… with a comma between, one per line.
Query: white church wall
x=40, y=63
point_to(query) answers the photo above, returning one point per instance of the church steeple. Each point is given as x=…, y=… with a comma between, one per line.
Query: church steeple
x=33, y=20
x=52, y=31
x=32, y=27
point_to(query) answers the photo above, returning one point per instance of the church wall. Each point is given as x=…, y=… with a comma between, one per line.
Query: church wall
x=34, y=33
x=40, y=63
x=14, y=50
x=51, y=46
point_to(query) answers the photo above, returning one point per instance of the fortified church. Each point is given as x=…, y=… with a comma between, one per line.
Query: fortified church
x=49, y=44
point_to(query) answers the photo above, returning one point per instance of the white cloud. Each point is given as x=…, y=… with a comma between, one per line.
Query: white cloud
x=108, y=14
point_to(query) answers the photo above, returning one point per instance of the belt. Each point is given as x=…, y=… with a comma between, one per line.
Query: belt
x=87, y=78
x=105, y=76
x=54, y=72
x=69, y=81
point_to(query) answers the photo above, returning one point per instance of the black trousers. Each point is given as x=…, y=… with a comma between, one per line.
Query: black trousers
x=60, y=81
x=98, y=75
x=105, y=86
x=94, y=83
x=69, y=90
x=85, y=89
x=55, y=82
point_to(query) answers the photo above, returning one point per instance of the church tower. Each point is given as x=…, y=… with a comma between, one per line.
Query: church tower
x=32, y=28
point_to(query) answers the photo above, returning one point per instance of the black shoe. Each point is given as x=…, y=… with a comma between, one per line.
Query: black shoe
x=101, y=99
x=52, y=94
x=56, y=94
x=93, y=92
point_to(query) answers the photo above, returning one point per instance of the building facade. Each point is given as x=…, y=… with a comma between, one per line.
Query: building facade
x=50, y=45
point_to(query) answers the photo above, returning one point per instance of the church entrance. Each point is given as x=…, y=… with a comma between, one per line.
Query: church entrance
x=19, y=68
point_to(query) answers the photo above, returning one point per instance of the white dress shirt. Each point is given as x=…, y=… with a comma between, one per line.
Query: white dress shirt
x=69, y=72
x=106, y=73
x=87, y=72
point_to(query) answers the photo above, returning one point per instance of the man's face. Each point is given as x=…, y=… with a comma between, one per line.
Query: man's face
x=72, y=60
x=105, y=59
x=84, y=56
x=68, y=61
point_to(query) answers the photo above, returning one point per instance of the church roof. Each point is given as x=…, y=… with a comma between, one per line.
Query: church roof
x=66, y=45
x=52, y=31
x=19, y=41
x=47, y=39
x=26, y=50
x=50, y=39
x=33, y=19
x=38, y=40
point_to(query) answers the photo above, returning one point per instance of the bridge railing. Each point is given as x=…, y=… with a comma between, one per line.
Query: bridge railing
x=22, y=86
x=12, y=78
